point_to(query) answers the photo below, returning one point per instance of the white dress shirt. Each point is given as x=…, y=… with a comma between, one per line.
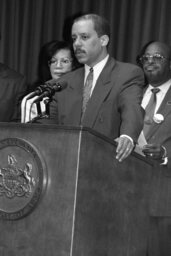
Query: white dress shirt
x=97, y=69
x=159, y=96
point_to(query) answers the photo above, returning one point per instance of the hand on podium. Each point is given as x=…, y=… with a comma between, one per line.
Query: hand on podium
x=124, y=147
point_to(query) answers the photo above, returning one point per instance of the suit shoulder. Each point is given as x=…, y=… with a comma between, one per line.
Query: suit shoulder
x=73, y=75
x=77, y=71
x=9, y=73
x=129, y=69
x=128, y=66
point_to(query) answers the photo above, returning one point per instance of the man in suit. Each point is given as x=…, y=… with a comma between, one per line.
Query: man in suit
x=114, y=107
x=155, y=59
x=12, y=89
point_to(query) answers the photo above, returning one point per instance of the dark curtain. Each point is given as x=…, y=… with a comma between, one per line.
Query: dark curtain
x=26, y=25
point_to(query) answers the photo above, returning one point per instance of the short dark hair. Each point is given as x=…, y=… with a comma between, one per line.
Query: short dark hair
x=51, y=48
x=101, y=25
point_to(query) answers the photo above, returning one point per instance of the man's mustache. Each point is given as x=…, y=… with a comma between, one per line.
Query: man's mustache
x=150, y=66
x=78, y=50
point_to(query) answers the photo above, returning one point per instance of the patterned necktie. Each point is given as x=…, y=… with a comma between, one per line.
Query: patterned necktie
x=87, y=90
x=149, y=111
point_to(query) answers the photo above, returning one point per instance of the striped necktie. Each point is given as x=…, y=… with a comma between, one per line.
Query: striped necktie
x=149, y=111
x=87, y=90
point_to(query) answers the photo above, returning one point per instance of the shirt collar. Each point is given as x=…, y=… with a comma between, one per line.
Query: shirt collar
x=97, y=68
x=163, y=87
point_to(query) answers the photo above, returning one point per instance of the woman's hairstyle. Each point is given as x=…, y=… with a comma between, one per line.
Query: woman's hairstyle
x=47, y=52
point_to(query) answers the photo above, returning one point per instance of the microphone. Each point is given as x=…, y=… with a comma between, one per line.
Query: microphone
x=39, y=90
x=51, y=90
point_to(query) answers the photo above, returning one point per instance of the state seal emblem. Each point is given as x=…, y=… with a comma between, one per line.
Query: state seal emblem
x=22, y=178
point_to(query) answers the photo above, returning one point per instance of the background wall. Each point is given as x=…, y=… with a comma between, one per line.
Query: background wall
x=26, y=25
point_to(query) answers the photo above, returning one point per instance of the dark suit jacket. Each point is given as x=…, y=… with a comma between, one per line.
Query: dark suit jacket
x=160, y=202
x=12, y=90
x=114, y=107
x=161, y=132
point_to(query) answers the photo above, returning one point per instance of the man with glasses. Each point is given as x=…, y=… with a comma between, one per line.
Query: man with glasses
x=155, y=141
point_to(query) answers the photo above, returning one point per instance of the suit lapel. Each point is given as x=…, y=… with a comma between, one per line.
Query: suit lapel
x=102, y=89
x=74, y=98
x=164, y=109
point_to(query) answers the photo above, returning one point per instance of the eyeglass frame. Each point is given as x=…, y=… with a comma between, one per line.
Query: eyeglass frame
x=61, y=61
x=160, y=57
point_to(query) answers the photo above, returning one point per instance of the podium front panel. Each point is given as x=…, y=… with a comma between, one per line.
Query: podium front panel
x=62, y=192
x=47, y=227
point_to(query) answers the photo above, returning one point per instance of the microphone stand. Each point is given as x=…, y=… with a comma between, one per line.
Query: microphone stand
x=47, y=105
x=44, y=115
x=50, y=90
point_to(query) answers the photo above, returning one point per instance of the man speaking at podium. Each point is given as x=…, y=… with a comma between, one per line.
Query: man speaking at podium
x=105, y=94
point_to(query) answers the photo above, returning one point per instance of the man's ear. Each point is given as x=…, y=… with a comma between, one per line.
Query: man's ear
x=104, y=40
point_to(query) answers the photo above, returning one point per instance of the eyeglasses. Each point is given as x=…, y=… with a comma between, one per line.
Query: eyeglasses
x=156, y=58
x=63, y=62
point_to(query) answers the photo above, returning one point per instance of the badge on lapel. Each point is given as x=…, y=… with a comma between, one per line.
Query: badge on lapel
x=158, y=118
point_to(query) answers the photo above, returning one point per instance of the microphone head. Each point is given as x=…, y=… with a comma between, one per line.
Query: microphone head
x=55, y=84
x=51, y=82
x=59, y=86
x=52, y=89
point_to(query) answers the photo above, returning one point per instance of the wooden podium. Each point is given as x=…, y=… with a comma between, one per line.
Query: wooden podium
x=63, y=193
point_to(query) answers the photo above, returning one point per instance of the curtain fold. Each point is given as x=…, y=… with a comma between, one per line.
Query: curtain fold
x=26, y=25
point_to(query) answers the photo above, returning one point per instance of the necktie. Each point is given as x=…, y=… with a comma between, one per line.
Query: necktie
x=149, y=111
x=87, y=90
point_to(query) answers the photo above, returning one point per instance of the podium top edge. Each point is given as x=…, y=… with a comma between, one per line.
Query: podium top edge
x=68, y=128
x=58, y=127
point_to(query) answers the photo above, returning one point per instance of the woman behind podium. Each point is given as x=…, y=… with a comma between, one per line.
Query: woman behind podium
x=56, y=58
